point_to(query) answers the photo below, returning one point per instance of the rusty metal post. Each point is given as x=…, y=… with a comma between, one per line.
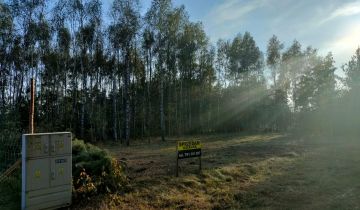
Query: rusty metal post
x=32, y=105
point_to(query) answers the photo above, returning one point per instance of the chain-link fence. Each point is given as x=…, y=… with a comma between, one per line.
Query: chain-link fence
x=10, y=154
x=10, y=149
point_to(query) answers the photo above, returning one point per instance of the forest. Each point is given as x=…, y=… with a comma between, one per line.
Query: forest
x=133, y=76
x=149, y=78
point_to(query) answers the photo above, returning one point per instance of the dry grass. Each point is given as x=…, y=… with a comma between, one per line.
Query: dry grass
x=239, y=172
x=232, y=165
x=242, y=172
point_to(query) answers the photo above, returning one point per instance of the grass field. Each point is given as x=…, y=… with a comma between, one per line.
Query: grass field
x=259, y=171
x=270, y=171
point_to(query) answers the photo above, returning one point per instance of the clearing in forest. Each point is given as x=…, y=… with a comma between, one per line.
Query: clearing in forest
x=262, y=171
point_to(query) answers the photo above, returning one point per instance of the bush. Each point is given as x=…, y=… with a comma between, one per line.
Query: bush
x=95, y=171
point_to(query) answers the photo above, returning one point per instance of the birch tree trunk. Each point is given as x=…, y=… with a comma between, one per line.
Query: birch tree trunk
x=127, y=98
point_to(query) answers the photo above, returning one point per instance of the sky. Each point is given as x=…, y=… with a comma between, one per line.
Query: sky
x=328, y=25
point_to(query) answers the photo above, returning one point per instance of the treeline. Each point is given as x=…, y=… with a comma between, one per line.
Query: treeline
x=126, y=75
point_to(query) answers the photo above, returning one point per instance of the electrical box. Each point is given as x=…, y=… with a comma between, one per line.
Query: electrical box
x=46, y=170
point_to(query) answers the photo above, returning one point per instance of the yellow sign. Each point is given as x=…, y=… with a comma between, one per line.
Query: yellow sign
x=61, y=171
x=188, y=145
x=37, y=174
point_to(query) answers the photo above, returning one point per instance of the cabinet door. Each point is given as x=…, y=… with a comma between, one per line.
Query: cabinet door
x=37, y=146
x=60, y=144
x=60, y=171
x=37, y=174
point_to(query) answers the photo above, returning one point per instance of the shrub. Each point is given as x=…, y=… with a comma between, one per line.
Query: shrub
x=95, y=171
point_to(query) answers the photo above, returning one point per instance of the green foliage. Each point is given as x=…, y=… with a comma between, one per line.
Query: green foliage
x=154, y=73
x=95, y=171
x=245, y=57
x=273, y=59
x=352, y=71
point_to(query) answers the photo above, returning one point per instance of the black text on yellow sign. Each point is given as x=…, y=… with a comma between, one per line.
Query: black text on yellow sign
x=188, y=145
x=188, y=149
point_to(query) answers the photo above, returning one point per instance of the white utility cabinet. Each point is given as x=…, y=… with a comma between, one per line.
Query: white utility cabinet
x=46, y=170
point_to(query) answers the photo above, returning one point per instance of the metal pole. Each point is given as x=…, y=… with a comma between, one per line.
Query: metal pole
x=177, y=160
x=32, y=105
x=200, y=164
x=177, y=166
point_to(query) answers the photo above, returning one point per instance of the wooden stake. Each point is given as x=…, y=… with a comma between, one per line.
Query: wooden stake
x=32, y=105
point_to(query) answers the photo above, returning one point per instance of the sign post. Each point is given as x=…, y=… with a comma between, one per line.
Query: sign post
x=187, y=149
